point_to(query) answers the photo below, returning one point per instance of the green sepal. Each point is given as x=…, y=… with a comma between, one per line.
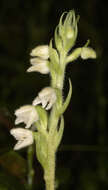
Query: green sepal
x=69, y=19
x=54, y=57
x=41, y=148
x=54, y=61
x=43, y=117
x=58, y=40
x=61, y=27
x=59, y=133
x=66, y=103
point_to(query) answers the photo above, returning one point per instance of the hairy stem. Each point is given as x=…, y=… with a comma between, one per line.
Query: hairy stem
x=49, y=174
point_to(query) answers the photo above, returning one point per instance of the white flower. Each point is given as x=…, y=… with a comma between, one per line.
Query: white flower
x=39, y=65
x=41, y=51
x=26, y=114
x=87, y=53
x=23, y=136
x=47, y=97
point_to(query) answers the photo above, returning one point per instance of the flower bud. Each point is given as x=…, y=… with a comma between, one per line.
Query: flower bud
x=87, y=53
x=68, y=30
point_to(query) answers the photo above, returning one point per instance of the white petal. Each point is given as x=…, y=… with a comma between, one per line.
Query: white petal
x=22, y=109
x=32, y=118
x=42, y=68
x=19, y=133
x=18, y=120
x=26, y=114
x=46, y=92
x=51, y=102
x=49, y=106
x=37, y=60
x=44, y=102
x=24, y=143
x=24, y=137
x=36, y=101
x=41, y=51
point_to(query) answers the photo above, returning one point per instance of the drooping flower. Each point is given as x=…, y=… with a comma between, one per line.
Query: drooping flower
x=26, y=114
x=23, y=136
x=39, y=65
x=87, y=53
x=46, y=97
x=41, y=51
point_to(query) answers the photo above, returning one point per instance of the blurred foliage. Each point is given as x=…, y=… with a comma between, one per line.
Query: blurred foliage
x=14, y=163
x=8, y=182
x=82, y=162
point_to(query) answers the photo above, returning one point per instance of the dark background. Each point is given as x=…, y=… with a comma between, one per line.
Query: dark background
x=82, y=159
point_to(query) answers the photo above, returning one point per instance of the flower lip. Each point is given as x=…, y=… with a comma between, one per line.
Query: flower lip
x=23, y=136
x=47, y=97
x=26, y=114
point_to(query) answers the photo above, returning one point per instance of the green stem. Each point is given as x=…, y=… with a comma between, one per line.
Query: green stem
x=30, y=167
x=49, y=174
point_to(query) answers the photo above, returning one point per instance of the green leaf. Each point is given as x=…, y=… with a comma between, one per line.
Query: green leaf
x=41, y=148
x=55, y=67
x=58, y=40
x=59, y=134
x=54, y=57
x=43, y=118
x=66, y=103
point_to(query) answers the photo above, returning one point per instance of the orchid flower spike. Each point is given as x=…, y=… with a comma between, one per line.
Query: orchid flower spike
x=26, y=114
x=23, y=136
x=46, y=97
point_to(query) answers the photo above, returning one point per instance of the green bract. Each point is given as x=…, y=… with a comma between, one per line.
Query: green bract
x=43, y=117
